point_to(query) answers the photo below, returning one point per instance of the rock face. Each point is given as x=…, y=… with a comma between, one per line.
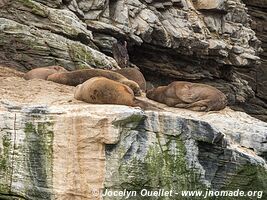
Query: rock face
x=200, y=40
x=257, y=10
x=55, y=147
x=38, y=35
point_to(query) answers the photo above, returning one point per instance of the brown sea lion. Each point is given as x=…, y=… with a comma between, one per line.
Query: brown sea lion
x=134, y=75
x=101, y=90
x=120, y=53
x=194, y=96
x=77, y=77
x=43, y=72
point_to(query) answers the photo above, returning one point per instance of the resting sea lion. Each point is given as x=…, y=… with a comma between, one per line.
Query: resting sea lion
x=194, y=96
x=100, y=90
x=77, y=77
x=134, y=75
x=43, y=72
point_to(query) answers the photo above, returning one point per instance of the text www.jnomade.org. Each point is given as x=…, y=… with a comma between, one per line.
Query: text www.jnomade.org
x=185, y=193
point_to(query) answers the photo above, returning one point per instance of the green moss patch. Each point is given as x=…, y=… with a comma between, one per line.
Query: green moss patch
x=35, y=8
x=39, y=158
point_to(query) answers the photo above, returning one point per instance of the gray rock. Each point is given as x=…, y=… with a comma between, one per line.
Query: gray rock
x=175, y=36
x=52, y=147
x=46, y=49
x=213, y=23
x=238, y=49
x=257, y=10
x=218, y=5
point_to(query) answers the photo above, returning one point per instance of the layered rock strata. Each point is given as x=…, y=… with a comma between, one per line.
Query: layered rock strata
x=55, y=147
x=196, y=40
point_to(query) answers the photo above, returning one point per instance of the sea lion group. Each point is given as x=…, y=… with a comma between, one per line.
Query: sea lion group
x=121, y=86
x=77, y=77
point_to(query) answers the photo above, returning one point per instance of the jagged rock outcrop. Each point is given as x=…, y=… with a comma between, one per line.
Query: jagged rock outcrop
x=34, y=35
x=55, y=147
x=195, y=40
x=258, y=11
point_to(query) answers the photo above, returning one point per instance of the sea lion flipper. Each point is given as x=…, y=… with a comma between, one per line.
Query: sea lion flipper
x=191, y=107
x=128, y=89
x=181, y=105
x=199, y=105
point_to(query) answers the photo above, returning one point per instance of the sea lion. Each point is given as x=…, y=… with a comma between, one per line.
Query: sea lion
x=77, y=77
x=101, y=90
x=134, y=75
x=43, y=72
x=120, y=53
x=194, y=96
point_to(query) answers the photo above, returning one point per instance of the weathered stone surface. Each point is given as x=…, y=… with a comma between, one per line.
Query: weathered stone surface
x=51, y=37
x=55, y=147
x=215, y=5
x=53, y=154
x=257, y=10
x=203, y=40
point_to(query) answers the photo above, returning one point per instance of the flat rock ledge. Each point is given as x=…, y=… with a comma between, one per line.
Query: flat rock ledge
x=54, y=147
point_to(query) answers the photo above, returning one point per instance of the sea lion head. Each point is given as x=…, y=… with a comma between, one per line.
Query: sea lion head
x=150, y=93
x=57, y=78
x=58, y=68
x=134, y=86
x=155, y=93
x=76, y=92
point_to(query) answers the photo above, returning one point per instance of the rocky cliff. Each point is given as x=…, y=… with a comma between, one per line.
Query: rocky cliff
x=55, y=147
x=258, y=12
x=196, y=40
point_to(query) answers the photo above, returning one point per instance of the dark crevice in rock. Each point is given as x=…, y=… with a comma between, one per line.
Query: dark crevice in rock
x=254, y=106
x=264, y=155
x=81, y=37
x=173, y=64
x=161, y=66
x=257, y=5
x=112, y=8
x=258, y=13
x=66, y=2
x=264, y=101
x=109, y=33
x=12, y=196
x=213, y=11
